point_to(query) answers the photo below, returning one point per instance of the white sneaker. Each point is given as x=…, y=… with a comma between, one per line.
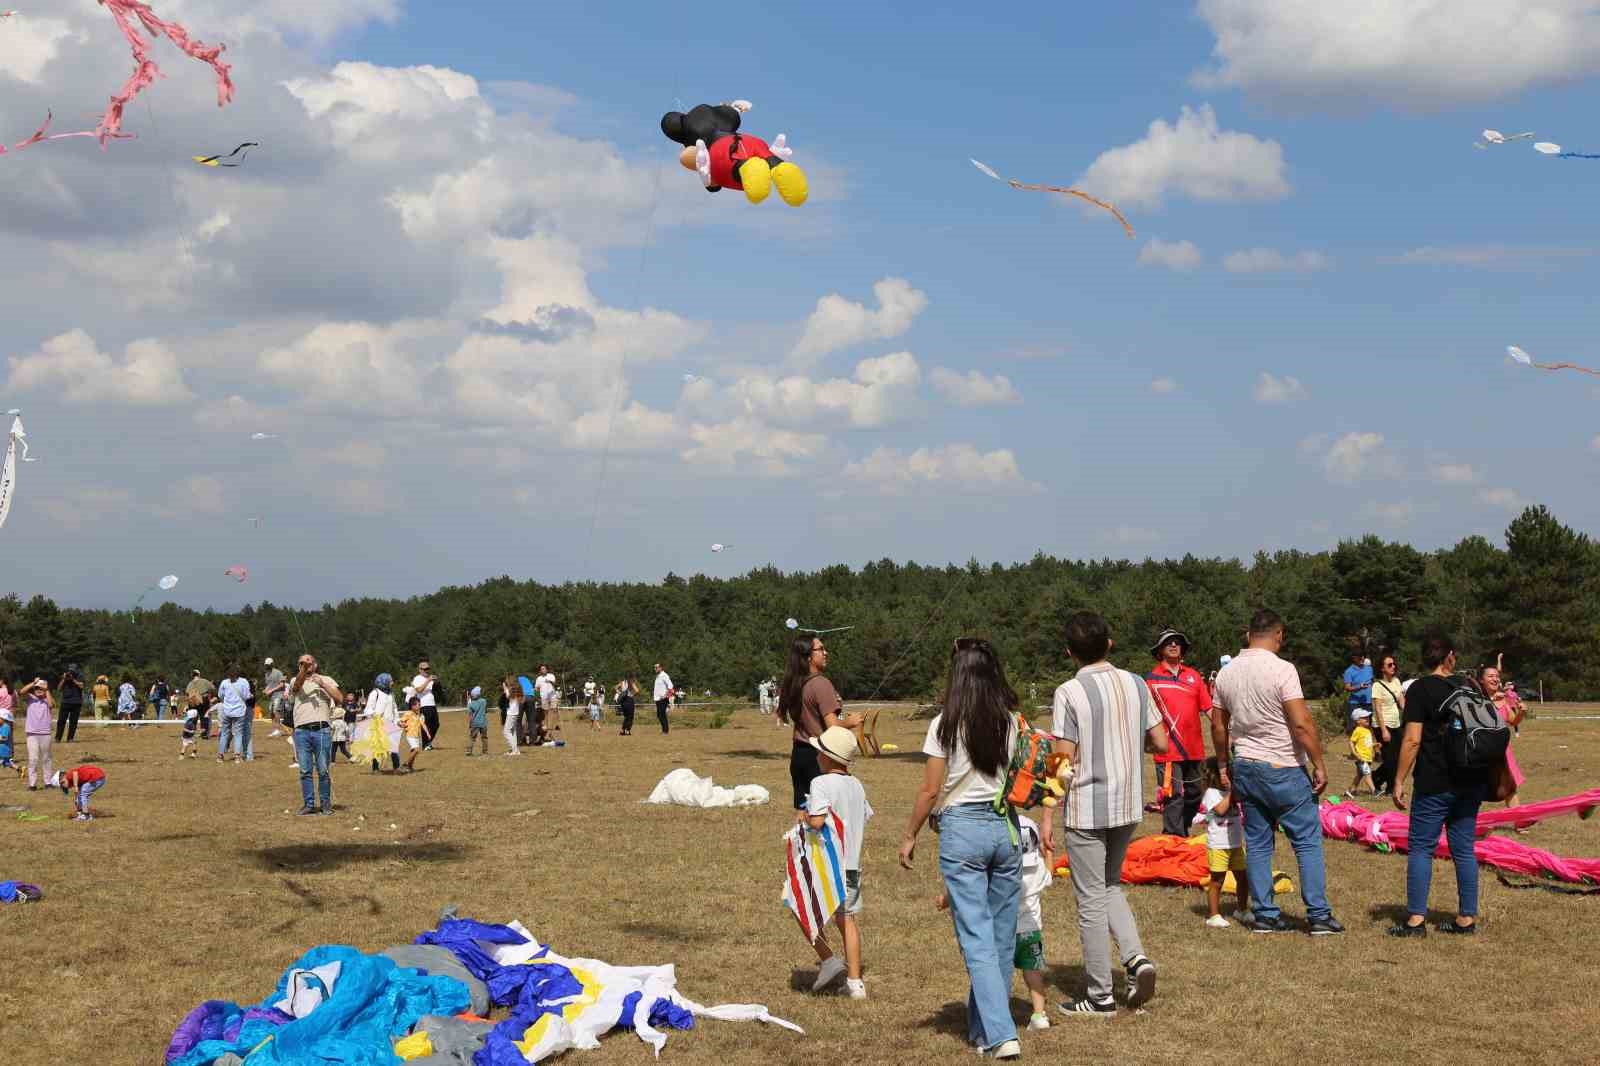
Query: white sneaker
x=1040, y=1020
x=1217, y=921
x=828, y=973
x=1011, y=1049
x=276, y=733
x=855, y=989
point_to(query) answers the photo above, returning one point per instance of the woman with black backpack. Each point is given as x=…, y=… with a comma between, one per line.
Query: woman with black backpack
x=1449, y=789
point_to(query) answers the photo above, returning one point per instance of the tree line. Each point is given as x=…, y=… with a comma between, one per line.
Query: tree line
x=1537, y=601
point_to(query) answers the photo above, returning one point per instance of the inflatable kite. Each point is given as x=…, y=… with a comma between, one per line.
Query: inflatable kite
x=1170, y=860
x=1546, y=148
x=1522, y=358
x=1496, y=137
x=222, y=160
x=166, y=584
x=728, y=159
x=238, y=573
x=1392, y=831
x=1064, y=190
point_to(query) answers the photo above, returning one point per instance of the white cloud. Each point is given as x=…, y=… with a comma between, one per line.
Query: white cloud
x=1273, y=389
x=751, y=444
x=1272, y=261
x=202, y=494
x=1164, y=385
x=32, y=42
x=838, y=323
x=1506, y=499
x=1409, y=53
x=882, y=390
x=148, y=374
x=974, y=389
x=360, y=97
x=1357, y=457
x=1179, y=255
x=957, y=466
x=365, y=454
x=1193, y=158
x=1396, y=512
x=77, y=509
x=1486, y=255
x=358, y=365
x=1455, y=474
x=1130, y=536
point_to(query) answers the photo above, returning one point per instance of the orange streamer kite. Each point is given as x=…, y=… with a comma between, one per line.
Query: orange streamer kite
x=1064, y=190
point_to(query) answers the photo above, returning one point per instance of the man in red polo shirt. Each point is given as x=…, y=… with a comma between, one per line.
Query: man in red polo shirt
x=1183, y=696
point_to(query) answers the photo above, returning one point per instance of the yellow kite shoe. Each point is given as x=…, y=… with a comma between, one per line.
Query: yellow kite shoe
x=756, y=177
x=791, y=183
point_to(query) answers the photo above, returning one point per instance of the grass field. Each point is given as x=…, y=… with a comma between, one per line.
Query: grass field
x=201, y=885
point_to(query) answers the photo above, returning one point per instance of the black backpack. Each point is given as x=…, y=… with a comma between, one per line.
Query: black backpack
x=1474, y=736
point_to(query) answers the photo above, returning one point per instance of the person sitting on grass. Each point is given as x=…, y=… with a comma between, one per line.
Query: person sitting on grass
x=1224, y=845
x=836, y=796
x=415, y=728
x=81, y=782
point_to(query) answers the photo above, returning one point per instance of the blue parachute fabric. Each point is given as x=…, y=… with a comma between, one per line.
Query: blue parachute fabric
x=8, y=892
x=664, y=1014
x=372, y=1002
x=461, y=936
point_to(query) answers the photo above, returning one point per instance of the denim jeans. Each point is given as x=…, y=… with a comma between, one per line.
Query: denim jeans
x=1457, y=814
x=234, y=732
x=1271, y=796
x=982, y=871
x=161, y=710
x=313, y=748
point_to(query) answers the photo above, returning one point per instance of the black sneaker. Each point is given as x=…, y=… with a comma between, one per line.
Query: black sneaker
x=1088, y=1008
x=1267, y=925
x=1455, y=929
x=327, y=810
x=1403, y=931
x=1141, y=980
x=308, y=810
x=1325, y=927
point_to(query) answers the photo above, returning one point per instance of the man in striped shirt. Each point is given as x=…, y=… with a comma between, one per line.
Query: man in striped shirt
x=1105, y=718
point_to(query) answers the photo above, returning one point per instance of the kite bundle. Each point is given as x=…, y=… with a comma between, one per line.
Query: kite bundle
x=813, y=886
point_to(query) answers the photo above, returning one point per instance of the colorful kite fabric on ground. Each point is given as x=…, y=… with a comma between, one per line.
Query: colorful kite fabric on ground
x=1064, y=190
x=145, y=71
x=18, y=892
x=688, y=789
x=813, y=884
x=1171, y=860
x=1392, y=830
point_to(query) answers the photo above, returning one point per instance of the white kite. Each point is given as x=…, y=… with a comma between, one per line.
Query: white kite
x=718, y=547
x=263, y=436
x=166, y=584
x=8, y=479
x=797, y=627
x=1522, y=358
x=1548, y=148
x=1496, y=137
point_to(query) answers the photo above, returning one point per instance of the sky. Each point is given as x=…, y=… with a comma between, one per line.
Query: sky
x=491, y=327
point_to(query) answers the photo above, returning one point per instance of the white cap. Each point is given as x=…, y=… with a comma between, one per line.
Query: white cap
x=267, y=661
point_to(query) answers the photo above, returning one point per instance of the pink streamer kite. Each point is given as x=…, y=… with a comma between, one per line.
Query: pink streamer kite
x=1348, y=821
x=40, y=135
x=145, y=71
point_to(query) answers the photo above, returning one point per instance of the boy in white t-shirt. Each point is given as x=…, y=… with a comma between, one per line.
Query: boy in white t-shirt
x=835, y=794
x=1224, y=845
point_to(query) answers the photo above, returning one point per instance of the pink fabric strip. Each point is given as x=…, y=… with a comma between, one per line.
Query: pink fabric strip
x=145, y=71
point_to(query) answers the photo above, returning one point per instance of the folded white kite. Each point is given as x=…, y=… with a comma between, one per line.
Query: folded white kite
x=687, y=789
x=1496, y=137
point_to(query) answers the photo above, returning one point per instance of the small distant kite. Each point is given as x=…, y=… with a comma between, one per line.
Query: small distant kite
x=6, y=14
x=263, y=436
x=166, y=584
x=1546, y=148
x=690, y=379
x=797, y=627
x=238, y=573
x=222, y=160
x=145, y=71
x=718, y=547
x=1524, y=359
x=985, y=168
x=8, y=477
x=255, y=520
x=1496, y=137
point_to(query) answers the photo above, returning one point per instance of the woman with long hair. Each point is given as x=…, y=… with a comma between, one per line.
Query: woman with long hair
x=808, y=701
x=1509, y=706
x=969, y=746
x=510, y=712
x=627, y=689
x=1389, y=708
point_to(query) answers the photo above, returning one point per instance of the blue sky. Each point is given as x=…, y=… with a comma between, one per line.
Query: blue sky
x=1343, y=238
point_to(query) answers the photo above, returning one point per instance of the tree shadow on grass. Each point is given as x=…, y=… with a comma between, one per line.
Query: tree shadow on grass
x=756, y=753
x=333, y=856
x=662, y=931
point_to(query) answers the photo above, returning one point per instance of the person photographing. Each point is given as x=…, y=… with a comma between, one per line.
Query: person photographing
x=315, y=695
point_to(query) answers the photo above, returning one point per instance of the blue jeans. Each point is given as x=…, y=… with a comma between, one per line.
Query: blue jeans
x=161, y=710
x=1457, y=814
x=982, y=871
x=314, y=748
x=237, y=732
x=1271, y=796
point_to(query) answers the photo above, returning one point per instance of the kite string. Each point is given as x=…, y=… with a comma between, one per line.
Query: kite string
x=616, y=395
x=911, y=645
x=1566, y=366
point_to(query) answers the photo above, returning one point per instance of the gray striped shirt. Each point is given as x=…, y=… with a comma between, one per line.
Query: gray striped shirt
x=1105, y=712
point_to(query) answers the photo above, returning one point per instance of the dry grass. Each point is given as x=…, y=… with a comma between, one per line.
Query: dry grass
x=201, y=886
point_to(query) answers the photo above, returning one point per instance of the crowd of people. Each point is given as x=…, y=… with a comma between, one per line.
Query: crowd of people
x=1267, y=771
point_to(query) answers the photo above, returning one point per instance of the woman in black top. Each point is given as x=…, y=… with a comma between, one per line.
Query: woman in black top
x=69, y=693
x=1446, y=796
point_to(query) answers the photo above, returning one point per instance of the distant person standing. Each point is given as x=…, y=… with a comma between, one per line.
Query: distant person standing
x=275, y=690
x=549, y=694
x=1262, y=720
x=1182, y=697
x=1358, y=683
x=627, y=691
x=764, y=696
x=161, y=696
x=127, y=701
x=233, y=724
x=35, y=696
x=422, y=688
x=663, y=696
x=315, y=696
x=510, y=714
x=808, y=701
x=102, y=697
x=69, y=695
x=198, y=693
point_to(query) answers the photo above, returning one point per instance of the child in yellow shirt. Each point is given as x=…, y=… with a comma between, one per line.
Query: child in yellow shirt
x=1364, y=748
x=415, y=727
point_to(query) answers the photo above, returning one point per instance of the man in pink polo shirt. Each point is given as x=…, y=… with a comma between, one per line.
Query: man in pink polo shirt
x=1261, y=720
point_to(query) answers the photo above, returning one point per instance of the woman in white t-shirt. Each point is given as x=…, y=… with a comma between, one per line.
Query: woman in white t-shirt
x=969, y=747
